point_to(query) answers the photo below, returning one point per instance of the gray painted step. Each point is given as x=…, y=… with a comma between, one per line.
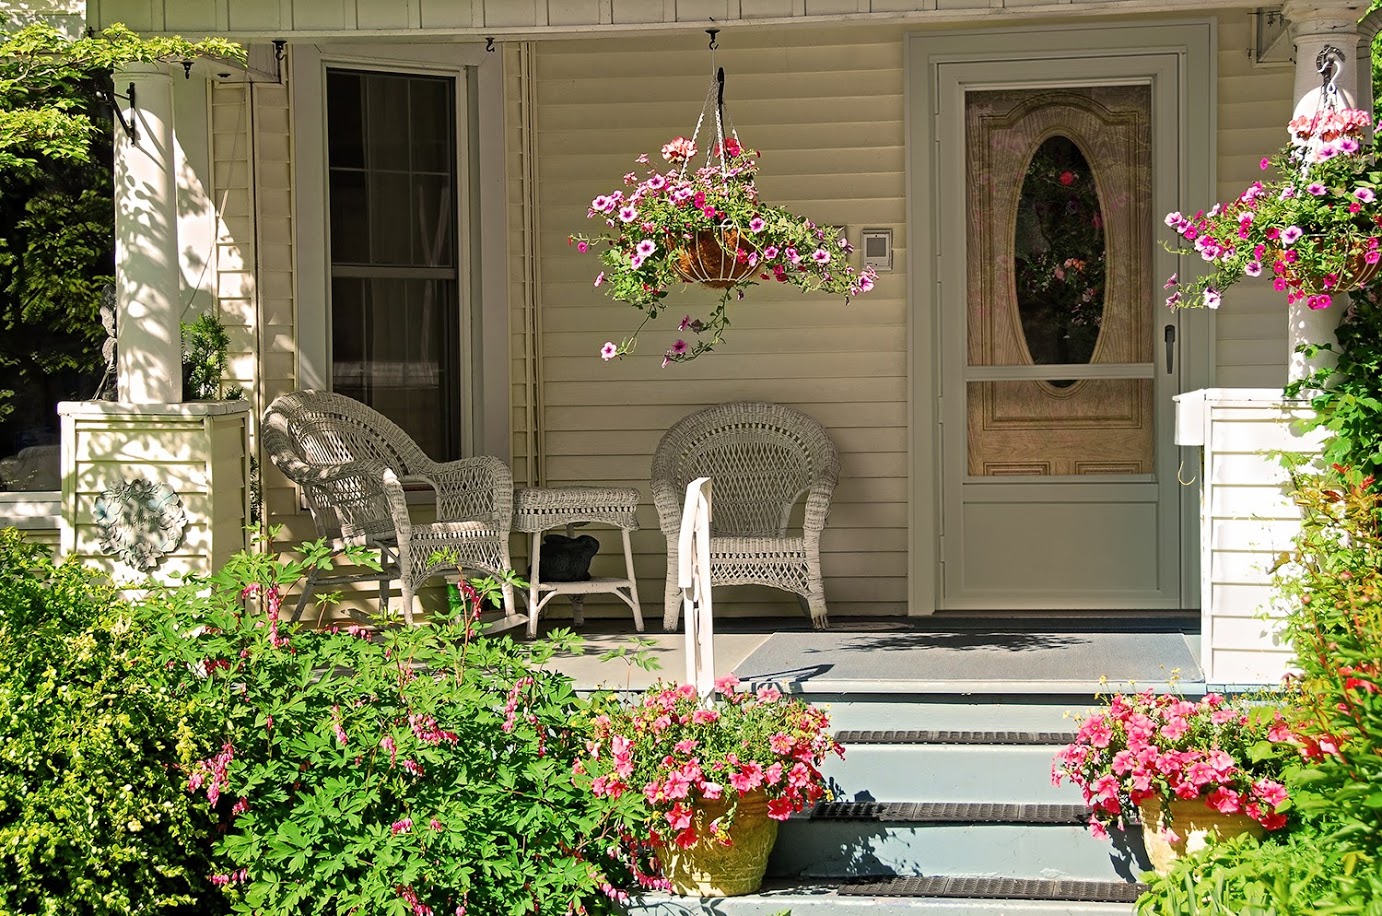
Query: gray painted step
x=826, y=900
x=940, y=772
x=984, y=840
x=963, y=712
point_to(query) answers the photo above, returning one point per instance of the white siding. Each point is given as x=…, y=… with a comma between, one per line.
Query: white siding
x=252, y=168
x=826, y=110
x=1254, y=105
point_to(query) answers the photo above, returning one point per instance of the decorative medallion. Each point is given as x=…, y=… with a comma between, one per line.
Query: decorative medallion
x=140, y=521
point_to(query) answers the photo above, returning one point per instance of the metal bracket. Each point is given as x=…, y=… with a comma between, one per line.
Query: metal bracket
x=111, y=97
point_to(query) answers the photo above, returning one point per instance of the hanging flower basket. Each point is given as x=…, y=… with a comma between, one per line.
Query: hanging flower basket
x=707, y=226
x=712, y=258
x=1315, y=230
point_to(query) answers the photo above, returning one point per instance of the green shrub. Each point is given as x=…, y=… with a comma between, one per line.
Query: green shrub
x=411, y=772
x=94, y=818
x=1246, y=877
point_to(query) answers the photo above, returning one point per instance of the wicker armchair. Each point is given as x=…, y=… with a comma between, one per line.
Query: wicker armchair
x=352, y=462
x=761, y=458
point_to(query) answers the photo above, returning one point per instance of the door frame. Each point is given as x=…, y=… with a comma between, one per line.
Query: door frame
x=1179, y=60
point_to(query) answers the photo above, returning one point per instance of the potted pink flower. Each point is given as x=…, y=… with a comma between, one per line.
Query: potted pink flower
x=1185, y=769
x=705, y=783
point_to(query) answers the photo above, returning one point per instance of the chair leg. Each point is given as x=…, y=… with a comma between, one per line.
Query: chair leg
x=407, y=602
x=535, y=553
x=672, y=595
x=307, y=587
x=633, y=583
x=815, y=600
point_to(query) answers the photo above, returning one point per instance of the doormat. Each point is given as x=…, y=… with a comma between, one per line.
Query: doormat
x=823, y=661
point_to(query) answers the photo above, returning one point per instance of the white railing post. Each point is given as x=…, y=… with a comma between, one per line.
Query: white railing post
x=693, y=576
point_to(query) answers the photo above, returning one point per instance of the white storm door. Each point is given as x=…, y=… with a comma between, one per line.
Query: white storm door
x=1058, y=468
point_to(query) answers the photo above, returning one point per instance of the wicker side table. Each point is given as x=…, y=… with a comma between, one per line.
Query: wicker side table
x=540, y=509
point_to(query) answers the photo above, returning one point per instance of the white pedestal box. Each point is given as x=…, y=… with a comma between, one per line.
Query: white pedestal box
x=1247, y=520
x=134, y=474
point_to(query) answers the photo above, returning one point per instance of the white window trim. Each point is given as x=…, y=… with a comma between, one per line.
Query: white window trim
x=484, y=356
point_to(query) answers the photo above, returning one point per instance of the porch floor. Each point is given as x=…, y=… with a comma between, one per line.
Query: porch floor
x=1026, y=653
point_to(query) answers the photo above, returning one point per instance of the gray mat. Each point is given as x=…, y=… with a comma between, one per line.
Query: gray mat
x=818, y=659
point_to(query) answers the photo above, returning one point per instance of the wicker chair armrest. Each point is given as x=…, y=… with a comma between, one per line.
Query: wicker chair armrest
x=818, y=503
x=668, y=501
x=472, y=489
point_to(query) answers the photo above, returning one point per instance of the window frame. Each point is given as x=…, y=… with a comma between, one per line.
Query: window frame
x=480, y=255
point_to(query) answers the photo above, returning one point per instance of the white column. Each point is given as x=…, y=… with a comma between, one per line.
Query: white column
x=1317, y=25
x=146, y=243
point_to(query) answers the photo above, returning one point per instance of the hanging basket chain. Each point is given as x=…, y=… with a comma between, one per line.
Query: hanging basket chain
x=713, y=257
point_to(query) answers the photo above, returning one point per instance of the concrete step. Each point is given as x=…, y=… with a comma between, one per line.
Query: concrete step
x=848, y=840
x=948, y=765
x=779, y=897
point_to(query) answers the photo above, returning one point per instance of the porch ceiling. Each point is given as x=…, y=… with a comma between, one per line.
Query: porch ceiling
x=514, y=20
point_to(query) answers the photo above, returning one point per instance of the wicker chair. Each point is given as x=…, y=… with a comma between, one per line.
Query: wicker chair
x=352, y=462
x=761, y=458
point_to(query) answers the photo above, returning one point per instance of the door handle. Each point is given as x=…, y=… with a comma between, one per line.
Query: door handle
x=1169, y=335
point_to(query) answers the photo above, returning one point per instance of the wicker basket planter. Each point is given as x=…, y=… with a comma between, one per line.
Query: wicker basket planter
x=710, y=259
x=1356, y=274
x=1193, y=822
x=712, y=868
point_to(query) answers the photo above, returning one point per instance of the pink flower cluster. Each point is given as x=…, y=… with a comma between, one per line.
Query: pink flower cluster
x=679, y=754
x=211, y=773
x=1148, y=746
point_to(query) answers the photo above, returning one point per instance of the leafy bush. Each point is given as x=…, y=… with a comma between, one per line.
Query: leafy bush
x=93, y=816
x=1335, y=625
x=408, y=771
x=1246, y=877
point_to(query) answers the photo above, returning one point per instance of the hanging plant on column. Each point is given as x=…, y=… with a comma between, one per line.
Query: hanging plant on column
x=707, y=226
x=1314, y=230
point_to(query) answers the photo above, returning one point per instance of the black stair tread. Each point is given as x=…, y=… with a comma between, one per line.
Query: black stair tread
x=930, y=736
x=987, y=888
x=952, y=812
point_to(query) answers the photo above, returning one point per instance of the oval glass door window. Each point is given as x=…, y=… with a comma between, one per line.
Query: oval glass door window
x=1059, y=256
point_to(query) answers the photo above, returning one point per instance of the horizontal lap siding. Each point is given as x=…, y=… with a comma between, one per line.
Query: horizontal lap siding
x=1254, y=104
x=826, y=111
x=1251, y=521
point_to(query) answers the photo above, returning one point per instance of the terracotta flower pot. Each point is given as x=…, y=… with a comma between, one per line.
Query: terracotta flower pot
x=712, y=868
x=710, y=259
x=1193, y=822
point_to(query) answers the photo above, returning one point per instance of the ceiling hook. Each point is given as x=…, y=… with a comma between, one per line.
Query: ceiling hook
x=489, y=44
x=712, y=33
